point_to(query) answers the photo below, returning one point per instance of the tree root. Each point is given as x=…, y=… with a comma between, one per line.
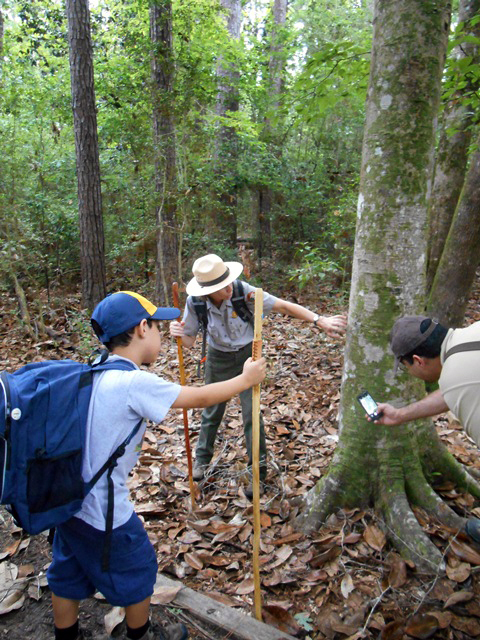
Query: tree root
x=319, y=503
x=408, y=536
x=421, y=494
x=436, y=457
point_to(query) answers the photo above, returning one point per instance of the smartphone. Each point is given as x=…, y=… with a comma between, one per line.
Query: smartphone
x=370, y=406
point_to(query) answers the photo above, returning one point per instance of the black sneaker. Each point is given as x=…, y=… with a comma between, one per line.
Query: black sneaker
x=472, y=529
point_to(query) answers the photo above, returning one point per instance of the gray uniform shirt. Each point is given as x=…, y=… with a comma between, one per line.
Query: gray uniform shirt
x=226, y=331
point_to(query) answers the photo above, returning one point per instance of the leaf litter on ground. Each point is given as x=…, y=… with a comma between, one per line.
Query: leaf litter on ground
x=344, y=581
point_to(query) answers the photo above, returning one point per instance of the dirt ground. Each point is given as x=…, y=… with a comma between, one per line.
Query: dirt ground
x=343, y=582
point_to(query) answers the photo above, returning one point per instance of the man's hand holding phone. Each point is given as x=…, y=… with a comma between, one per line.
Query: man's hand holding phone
x=372, y=409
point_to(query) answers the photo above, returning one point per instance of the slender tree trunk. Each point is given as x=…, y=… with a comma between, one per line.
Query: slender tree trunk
x=226, y=144
x=461, y=255
x=452, y=154
x=163, y=69
x=1, y=37
x=384, y=466
x=276, y=67
x=92, y=247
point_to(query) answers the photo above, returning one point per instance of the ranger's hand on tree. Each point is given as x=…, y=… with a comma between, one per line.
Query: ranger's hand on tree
x=334, y=326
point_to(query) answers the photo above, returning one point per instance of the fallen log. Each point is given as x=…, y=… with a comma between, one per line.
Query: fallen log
x=238, y=625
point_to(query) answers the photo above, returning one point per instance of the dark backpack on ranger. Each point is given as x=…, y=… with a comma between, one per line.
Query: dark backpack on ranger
x=239, y=304
x=43, y=417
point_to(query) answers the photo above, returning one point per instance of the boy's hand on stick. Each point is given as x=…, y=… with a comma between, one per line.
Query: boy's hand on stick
x=255, y=370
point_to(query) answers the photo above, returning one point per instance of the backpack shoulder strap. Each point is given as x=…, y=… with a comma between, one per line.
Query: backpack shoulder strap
x=108, y=467
x=200, y=308
x=239, y=304
x=466, y=346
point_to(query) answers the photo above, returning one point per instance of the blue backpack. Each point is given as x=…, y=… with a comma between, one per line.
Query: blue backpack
x=43, y=417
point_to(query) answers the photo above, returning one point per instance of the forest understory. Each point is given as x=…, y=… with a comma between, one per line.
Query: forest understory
x=344, y=581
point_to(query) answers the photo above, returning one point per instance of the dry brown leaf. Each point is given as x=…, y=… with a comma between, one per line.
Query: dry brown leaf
x=246, y=586
x=193, y=560
x=465, y=552
x=346, y=586
x=457, y=597
x=444, y=618
x=265, y=520
x=397, y=576
x=421, y=626
x=26, y=570
x=223, y=598
x=292, y=537
x=10, y=550
x=113, y=618
x=281, y=619
x=374, y=537
x=393, y=631
x=470, y=626
x=165, y=595
x=324, y=557
x=13, y=601
x=460, y=573
x=216, y=560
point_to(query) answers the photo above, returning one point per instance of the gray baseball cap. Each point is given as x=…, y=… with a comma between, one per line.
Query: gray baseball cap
x=406, y=335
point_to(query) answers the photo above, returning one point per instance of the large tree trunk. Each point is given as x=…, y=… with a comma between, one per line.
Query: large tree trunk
x=452, y=154
x=163, y=68
x=226, y=151
x=276, y=66
x=461, y=255
x=375, y=465
x=92, y=247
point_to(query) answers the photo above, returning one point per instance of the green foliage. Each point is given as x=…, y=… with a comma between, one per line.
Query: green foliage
x=462, y=72
x=304, y=148
x=313, y=266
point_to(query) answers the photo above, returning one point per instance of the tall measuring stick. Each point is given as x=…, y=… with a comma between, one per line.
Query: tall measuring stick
x=185, y=414
x=256, y=354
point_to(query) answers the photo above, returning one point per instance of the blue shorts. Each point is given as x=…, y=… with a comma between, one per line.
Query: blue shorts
x=76, y=569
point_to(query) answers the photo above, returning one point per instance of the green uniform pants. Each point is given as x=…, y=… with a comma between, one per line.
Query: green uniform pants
x=221, y=365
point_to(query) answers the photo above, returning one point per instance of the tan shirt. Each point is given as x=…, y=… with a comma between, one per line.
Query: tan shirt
x=460, y=379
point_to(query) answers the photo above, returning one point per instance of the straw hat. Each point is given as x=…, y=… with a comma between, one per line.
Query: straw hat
x=212, y=274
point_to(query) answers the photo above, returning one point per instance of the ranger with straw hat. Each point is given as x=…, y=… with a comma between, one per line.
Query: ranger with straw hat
x=228, y=305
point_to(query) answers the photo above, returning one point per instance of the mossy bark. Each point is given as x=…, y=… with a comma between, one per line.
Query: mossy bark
x=452, y=153
x=456, y=271
x=375, y=465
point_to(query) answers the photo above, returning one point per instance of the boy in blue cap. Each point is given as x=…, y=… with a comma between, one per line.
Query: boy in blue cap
x=128, y=325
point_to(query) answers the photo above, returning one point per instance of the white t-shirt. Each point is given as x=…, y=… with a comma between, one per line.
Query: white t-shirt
x=119, y=400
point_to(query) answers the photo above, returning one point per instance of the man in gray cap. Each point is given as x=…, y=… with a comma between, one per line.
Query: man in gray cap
x=431, y=352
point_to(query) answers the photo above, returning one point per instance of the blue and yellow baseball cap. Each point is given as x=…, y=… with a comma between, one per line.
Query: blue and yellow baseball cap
x=121, y=311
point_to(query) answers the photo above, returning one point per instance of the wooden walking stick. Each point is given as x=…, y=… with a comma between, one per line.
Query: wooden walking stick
x=256, y=354
x=185, y=414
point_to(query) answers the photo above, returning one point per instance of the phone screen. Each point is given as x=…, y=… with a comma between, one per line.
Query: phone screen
x=368, y=403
